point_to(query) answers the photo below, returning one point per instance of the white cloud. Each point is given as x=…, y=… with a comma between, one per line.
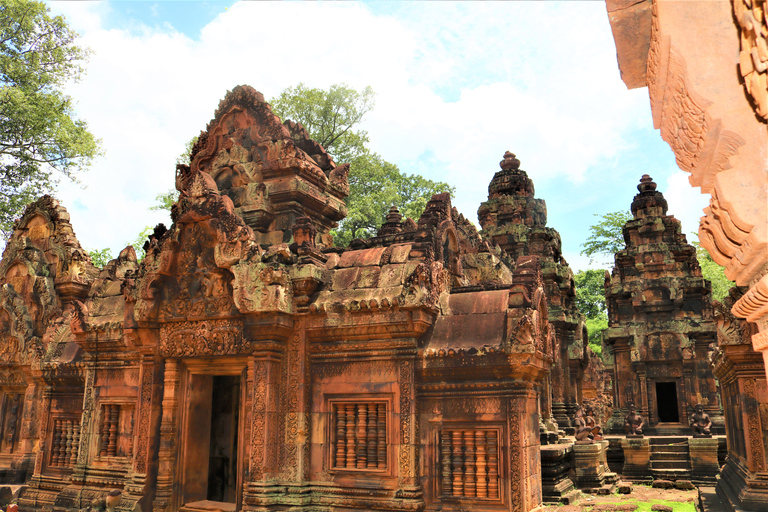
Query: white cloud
x=462, y=82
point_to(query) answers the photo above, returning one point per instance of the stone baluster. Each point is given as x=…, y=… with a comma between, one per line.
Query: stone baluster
x=372, y=437
x=104, y=431
x=381, y=445
x=458, y=463
x=56, y=445
x=362, y=436
x=350, y=460
x=75, y=443
x=341, y=436
x=129, y=443
x=470, y=485
x=493, y=463
x=114, y=412
x=67, y=448
x=482, y=484
x=445, y=460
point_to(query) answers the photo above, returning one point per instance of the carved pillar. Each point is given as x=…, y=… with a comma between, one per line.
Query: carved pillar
x=45, y=410
x=141, y=445
x=30, y=416
x=562, y=402
x=642, y=379
x=407, y=456
x=169, y=424
x=623, y=388
x=753, y=306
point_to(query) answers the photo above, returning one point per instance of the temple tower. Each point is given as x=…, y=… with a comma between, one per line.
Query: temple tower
x=660, y=321
x=515, y=220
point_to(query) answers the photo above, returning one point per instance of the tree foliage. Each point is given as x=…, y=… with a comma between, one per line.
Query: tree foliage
x=606, y=236
x=590, y=294
x=165, y=200
x=714, y=273
x=374, y=184
x=329, y=116
x=100, y=257
x=590, y=299
x=40, y=137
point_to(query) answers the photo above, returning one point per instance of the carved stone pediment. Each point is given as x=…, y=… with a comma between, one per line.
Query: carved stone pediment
x=223, y=337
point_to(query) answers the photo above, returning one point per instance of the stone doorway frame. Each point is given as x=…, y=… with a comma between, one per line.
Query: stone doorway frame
x=212, y=367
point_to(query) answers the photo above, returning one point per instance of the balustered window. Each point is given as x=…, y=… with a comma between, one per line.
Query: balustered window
x=359, y=433
x=469, y=463
x=65, y=443
x=116, y=431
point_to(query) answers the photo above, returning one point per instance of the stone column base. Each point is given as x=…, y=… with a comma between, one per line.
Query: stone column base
x=637, y=459
x=556, y=486
x=741, y=490
x=704, y=465
x=590, y=464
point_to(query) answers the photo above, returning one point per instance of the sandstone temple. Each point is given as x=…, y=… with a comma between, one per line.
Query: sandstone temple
x=661, y=322
x=245, y=363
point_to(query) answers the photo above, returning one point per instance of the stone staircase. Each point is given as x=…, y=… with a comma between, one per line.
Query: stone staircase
x=670, y=459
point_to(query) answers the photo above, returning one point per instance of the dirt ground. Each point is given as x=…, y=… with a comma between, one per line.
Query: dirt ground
x=594, y=503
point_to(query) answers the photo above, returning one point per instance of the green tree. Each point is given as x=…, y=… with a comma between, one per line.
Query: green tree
x=165, y=200
x=713, y=273
x=186, y=156
x=606, y=236
x=40, y=137
x=374, y=184
x=101, y=257
x=138, y=243
x=590, y=299
x=329, y=116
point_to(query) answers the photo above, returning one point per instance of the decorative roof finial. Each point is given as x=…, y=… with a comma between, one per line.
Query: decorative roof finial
x=509, y=162
x=646, y=184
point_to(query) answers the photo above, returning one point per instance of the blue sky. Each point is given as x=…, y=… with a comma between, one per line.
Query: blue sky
x=457, y=83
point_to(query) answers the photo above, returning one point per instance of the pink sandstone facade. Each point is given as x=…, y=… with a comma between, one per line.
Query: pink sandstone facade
x=705, y=64
x=245, y=364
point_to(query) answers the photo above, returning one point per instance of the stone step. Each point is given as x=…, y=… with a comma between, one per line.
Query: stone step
x=668, y=448
x=670, y=464
x=670, y=456
x=671, y=474
x=669, y=440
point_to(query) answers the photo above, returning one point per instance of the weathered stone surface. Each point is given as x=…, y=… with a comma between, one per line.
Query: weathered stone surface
x=637, y=459
x=624, y=487
x=245, y=361
x=660, y=322
x=514, y=220
x=663, y=484
x=656, y=507
x=739, y=368
x=631, y=27
x=556, y=466
x=684, y=485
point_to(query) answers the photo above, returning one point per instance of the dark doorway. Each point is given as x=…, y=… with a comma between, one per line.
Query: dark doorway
x=666, y=401
x=222, y=465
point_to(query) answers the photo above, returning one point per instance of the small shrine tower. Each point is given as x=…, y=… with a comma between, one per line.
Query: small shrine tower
x=660, y=321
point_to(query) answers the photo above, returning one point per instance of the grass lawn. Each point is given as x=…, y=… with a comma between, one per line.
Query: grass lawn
x=645, y=506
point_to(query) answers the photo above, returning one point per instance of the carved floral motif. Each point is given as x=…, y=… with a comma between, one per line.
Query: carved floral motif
x=753, y=59
x=203, y=338
x=755, y=433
